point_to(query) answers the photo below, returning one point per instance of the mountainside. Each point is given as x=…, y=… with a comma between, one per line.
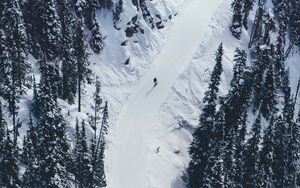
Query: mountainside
x=79, y=107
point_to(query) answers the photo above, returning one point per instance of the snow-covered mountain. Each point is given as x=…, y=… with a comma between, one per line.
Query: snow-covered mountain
x=150, y=127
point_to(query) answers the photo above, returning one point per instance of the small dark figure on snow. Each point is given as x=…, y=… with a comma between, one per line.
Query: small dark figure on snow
x=155, y=82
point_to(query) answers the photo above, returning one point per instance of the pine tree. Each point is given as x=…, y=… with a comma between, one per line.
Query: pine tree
x=32, y=16
x=9, y=169
x=216, y=159
x=240, y=59
x=295, y=21
x=82, y=159
x=97, y=107
x=237, y=19
x=267, y=155
x=247, y=7
x=99, y=178
x=15, y=31
x=50, y=30
x=30, y=177
x=251, y=158
x=16, y=67
x=53, y=146
x=280, y=152
x=200, y=147
x=4, y=64
x=81, y=57
x=68, y=63
x=269, y=101
x=3, y=127
x=96, y=41
x=257, y=29
x=117, y=13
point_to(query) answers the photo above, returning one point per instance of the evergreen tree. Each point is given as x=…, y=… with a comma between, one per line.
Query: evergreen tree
x=237, y=19
x=269, y=101
x=99, y=178
x=247, y=7
x=85, y=167
x=216, y=159
x=81, y=57
x=4, y=65
x=267, y=155
x=68, y=63
x=53, y=146
x=9, y=169
x=200, y=147
x=257, y=29
x=3, y=127
x=16, y=67
x=251, y=174
x=117, y=13
x=295, y=21
x=50, y=29
x=30, y=177
x=96, y=41
x=280, y=152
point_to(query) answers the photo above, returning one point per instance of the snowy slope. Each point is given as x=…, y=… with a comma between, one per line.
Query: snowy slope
x=131, y=147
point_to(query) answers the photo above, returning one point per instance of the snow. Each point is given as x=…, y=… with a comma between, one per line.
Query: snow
x=139, y=116
x=142, y=118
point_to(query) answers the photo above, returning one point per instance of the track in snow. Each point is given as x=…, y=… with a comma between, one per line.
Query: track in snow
x=129, y=149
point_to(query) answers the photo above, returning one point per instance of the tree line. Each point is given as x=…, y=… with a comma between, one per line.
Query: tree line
x=250, y=136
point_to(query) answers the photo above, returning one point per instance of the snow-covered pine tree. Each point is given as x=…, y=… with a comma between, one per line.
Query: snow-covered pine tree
x=89, y=12
x=269, y=99
x=292, y=140
x=50, y=29
x=200, y=147
x=251, y=158
x=97, y=107
x=32, y=16
x=117, y=13
x=16, y=41
x=267, y=155
x=257, y=29
x=240, y=60
x=216, y=159
x=280, y=152
x=82, y=62
x=235, y=106
x=237, y=19
x=4, y=64
x=68, y=63
x=99, y=178
x=52, y=146
x=295, y=21
x=9, y=169
x=30, y=177
x=17, y=66
x=247, y=7
x=96, y=40
x=82, y=158
x=3, y=127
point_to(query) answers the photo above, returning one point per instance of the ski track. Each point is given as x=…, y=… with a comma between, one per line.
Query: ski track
x=139, y=115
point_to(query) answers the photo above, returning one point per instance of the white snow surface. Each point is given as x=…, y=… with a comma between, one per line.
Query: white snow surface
x=131, y=149
x=151, y=128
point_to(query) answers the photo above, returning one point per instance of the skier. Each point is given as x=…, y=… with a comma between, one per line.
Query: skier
x=155, y=82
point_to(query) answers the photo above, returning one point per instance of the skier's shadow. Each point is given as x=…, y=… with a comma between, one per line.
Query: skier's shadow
x=149, y=91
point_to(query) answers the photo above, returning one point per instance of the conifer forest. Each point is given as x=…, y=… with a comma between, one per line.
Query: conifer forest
x=149, y=94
